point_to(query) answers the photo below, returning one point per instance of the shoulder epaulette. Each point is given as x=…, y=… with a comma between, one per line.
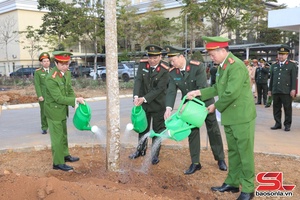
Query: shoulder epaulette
x=144, y=60
x=171, y=68
x=54, y=74
x=38, y=69
x=231, y=60
x=194, y=62
x=165, y=66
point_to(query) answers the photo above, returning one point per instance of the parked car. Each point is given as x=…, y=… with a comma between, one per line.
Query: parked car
x=99, y=71
x=77, y=71
x=125, y=72
x=23, y=72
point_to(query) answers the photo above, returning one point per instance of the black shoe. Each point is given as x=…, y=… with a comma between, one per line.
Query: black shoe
x=275, y=127
x=193, y=168
x=257, y=103
x=226, y=188
x=137, y=154
x=245, y=196
x=267, y=106
x=63, y=167
x=287, y=128
x=71, y=159
x=222, y=165
x=155, y=160
x=44, y=131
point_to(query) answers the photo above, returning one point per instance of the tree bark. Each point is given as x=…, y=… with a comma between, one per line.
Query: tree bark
x=112, y=85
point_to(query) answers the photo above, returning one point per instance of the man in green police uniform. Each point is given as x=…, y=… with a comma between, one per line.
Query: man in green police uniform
x=282, y=87
x=150, y=87
x=40, y=86
x=186, y=76
x=238, y=114
x=60, y=95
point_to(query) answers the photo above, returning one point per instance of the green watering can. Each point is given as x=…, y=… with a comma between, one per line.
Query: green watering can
x=179, y=125
x=139, y=119
x=82, y=117
x=194, y=112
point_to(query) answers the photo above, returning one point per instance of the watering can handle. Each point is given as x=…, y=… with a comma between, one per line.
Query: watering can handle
x=183, y=100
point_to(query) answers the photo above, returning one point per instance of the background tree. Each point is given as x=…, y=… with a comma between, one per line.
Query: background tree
x=234, y=16
x=31, y=42
x=154, y=27
x=74, y=23
x=8, y=33
x=56, y=20
x=127, y=25
x=193, y=16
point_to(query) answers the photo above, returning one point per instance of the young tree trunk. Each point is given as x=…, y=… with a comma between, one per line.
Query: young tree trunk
x=112, y=85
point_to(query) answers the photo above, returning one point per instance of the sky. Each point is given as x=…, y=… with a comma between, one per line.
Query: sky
x=290, y=3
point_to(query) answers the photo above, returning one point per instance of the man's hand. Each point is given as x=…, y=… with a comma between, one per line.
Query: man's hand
x=80, y=100
x=269, y=93
x=293, y=93
x=167, y=113
x=192, y=94
x=211, y=108
x=41, y=98
x=138, y=101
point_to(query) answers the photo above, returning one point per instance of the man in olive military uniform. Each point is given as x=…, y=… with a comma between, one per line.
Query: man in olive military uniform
x=187, y=76
x=60, y=95
x=238, y=114
x=150, y=91
x=282, y=87
x=261, y=80
x=40, y=86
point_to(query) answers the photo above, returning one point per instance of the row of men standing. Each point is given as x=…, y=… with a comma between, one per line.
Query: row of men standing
x=282, y=76
x=155, y=88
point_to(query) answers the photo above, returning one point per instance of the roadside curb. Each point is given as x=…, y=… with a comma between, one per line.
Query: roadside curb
x=34, y=105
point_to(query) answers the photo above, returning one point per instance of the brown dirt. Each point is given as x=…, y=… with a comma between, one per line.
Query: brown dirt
x=29, y=175
x=13, y=96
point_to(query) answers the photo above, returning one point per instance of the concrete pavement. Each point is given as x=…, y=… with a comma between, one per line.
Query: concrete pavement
x=27, y=137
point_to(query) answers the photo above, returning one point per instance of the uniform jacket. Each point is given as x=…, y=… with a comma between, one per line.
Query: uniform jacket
x=152, y=85
x=261, y=75
x=59, y=95
x=283, y=79
x=232, y=86
x=194, y=78
x=39, y=81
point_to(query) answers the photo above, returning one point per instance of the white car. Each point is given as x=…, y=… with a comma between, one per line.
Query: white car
x=125, y=72
x=99, y=70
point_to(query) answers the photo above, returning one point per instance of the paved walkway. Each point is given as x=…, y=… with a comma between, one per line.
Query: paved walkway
x=28, y=137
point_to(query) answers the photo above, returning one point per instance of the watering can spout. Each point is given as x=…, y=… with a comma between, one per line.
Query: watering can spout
x=163, y=134
x=86, y=128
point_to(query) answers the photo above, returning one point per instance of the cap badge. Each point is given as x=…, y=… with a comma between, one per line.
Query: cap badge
x=152, y=48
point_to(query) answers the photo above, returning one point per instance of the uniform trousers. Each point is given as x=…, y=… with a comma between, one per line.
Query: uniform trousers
x=44, y=124
x=215, y=139
x=59, y=140
x=240, y=140
x=158, y=126
x=262, y=92
x=285, y=101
